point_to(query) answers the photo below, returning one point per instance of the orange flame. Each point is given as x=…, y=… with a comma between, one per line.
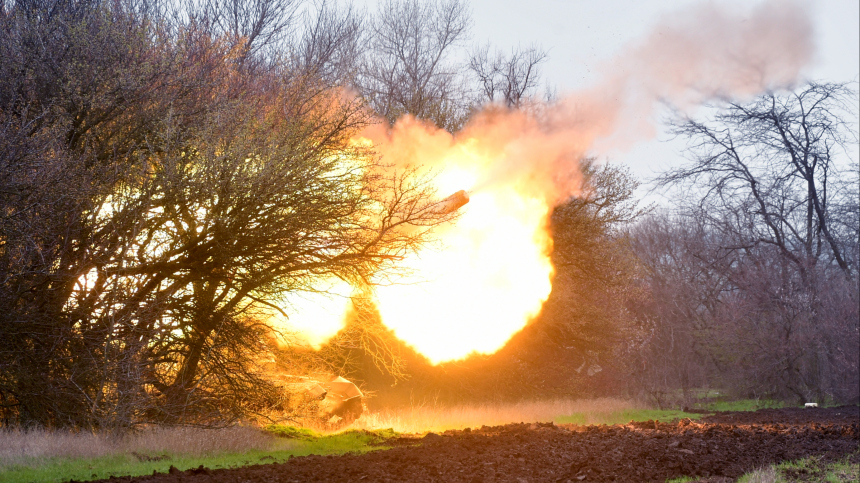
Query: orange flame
x=492, y=273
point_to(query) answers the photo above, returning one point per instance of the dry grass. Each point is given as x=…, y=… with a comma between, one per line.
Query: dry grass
x=21, y=447
x=764, y=475
x=419, y=419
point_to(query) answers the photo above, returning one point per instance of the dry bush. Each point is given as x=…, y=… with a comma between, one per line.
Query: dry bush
x=197, y=441
x=18, y=447
x=422, y=418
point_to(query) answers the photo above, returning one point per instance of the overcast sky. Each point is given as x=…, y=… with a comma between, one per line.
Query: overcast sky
x=579, y=35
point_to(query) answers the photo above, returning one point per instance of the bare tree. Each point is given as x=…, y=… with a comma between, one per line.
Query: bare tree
x=82, y=86
x=740, y=321
x=774, y=208
x=686, y=277
x=159, y=198
x=250, y=26
x=330, y=44
x=408, y=69
x=776, y=160
x=509, y=80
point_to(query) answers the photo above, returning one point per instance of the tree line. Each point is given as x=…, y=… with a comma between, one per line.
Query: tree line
x=753, y=277
x=746, y=283
x=170, y=173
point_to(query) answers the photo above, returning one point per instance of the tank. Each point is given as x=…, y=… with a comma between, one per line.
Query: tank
x=331, y=399
x=343, y=402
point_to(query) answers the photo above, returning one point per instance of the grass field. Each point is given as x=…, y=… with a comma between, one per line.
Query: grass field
x=807, y=469
x=43, y=456
x=590, y=411
x=742, y=405
x=40, y=456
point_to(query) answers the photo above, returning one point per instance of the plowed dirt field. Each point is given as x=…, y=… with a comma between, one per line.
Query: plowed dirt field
x=717, y=448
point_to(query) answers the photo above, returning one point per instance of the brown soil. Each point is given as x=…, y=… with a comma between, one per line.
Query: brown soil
x=720, y=448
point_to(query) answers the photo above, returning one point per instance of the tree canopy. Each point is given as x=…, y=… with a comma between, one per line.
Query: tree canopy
x=165, y=184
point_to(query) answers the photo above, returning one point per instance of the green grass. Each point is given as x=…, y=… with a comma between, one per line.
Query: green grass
x=806, y=469
x=294, y=442
x=812, y=468
x=290, y=441
x=627, y=415
x=742, y=405
x=292, y=432
x=683, y=479
x=715, y=400
x=709, y=402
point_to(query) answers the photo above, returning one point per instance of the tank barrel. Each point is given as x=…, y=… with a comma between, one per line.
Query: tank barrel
x=453, y=202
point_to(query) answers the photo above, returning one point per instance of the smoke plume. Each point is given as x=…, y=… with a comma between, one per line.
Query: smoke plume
x=691, y=56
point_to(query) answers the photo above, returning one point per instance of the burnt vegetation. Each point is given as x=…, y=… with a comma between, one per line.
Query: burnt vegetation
x=171, y=172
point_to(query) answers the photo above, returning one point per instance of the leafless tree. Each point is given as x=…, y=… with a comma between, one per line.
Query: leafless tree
x=740, y=321
x=330, y=44
x=775, y=160
x=252, y=27
x=509, y=80
x=159, y=198
x=773, y=203
x=685, y=276
x=409, y=68
x=80, y=90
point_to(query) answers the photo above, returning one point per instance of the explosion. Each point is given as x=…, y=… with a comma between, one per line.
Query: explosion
x=508, y=169
x=489, y=277
x=485, y=284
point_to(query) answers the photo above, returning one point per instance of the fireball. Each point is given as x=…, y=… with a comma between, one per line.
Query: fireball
x=489, y=278
x=489, y=274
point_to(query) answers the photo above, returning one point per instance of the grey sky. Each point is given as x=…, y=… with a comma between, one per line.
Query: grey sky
x=581, y=34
